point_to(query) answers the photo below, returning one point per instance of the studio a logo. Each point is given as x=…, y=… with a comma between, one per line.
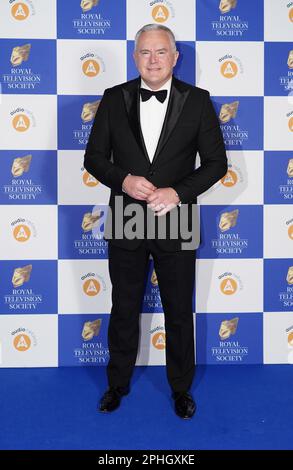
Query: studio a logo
x=22, y=342
x=91, y=68
x=20, y=11
x=291, y=14
x=229, y=69
x=230, y=179
x=160, y=13
x=290, y=339
x=290, y=232
x=91, y=287
x=92, y=65
x=228, y=286
x=21, y=122
x=89, y=180
x=290, y=124
x=159, y=340
x=22, y=233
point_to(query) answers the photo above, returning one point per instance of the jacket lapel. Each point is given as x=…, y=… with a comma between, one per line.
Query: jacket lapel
x=178, y=95
x=132, y=98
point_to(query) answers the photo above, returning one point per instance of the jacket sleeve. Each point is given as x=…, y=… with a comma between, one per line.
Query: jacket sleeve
x=97, y=158
x=213, y=159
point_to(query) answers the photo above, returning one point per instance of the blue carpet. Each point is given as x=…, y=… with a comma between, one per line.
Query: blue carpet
x=239, y=407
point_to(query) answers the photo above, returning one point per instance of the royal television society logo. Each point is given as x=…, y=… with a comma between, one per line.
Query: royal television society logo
x=20, y=76
x=286, y=189
x=88, y=112
x=22, y=120
x=230, y=283
x=289, y=340
x=228, y=23
x=233, y=134
x=21, y=11
x=23, y=230
x=161, y=11
x=226, y=6
x=87, y=5
x=232, y=350
x=227, y=242
x=91, y=240
x=21, y=187
x=93, y=284
x=158, y=337
x=286, y=81
x=230, y=66
x=91, y=22
x=92, y=349
x=23, y=339
x=92, y=65
x=152, y=298
x=286, y=297
x=22, y=297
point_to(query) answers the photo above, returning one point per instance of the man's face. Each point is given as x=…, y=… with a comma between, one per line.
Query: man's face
x=155, y=58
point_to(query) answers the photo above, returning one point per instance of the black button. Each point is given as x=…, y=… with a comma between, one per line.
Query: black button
x=151, y=173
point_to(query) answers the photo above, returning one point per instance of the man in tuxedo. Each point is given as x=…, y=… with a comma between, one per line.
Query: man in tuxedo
x=143, y=146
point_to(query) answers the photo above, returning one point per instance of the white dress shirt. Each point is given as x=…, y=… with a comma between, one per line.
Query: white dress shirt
x=152, y=115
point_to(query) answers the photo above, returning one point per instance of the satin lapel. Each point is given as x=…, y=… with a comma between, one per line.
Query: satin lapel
x=176, y=102
x=131, y=98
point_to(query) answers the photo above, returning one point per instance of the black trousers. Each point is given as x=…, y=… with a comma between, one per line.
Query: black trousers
x=176, y=275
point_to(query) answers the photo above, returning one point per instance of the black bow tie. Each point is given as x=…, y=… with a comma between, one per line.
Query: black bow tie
x=161, y=95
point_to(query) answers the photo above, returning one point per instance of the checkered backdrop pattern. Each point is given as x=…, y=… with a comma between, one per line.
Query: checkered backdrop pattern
x=57, y=58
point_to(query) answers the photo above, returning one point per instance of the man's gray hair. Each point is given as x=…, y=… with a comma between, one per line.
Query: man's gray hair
x=155, y=27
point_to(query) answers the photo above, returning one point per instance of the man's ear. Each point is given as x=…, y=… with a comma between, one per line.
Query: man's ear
x=176, y=57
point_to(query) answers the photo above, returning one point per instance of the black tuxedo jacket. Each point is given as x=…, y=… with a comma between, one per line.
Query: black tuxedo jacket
x=116, y=148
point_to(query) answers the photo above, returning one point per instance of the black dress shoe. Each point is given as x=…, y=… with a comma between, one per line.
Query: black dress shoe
x=184, y=404
x=111, y=399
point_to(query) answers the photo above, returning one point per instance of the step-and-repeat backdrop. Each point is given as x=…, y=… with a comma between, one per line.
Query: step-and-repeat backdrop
x=56, y=59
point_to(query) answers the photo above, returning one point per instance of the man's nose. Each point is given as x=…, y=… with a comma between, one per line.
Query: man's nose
x=153, y=57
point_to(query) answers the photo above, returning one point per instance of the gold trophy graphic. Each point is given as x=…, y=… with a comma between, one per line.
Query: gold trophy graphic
x=91, y=329
x=290, y=275
x=154, y=279
x=21, y=275
x=228, y=111
x=228, y=220
x=90, y=221
x=290, y=59
x=89, y=111
x=227, y=5
x=20, y=54
x=228, y=328
x=21, y=165
x=290, y=168
x=87, y=5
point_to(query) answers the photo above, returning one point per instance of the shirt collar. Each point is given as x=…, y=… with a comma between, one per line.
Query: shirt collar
x=166, y=86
